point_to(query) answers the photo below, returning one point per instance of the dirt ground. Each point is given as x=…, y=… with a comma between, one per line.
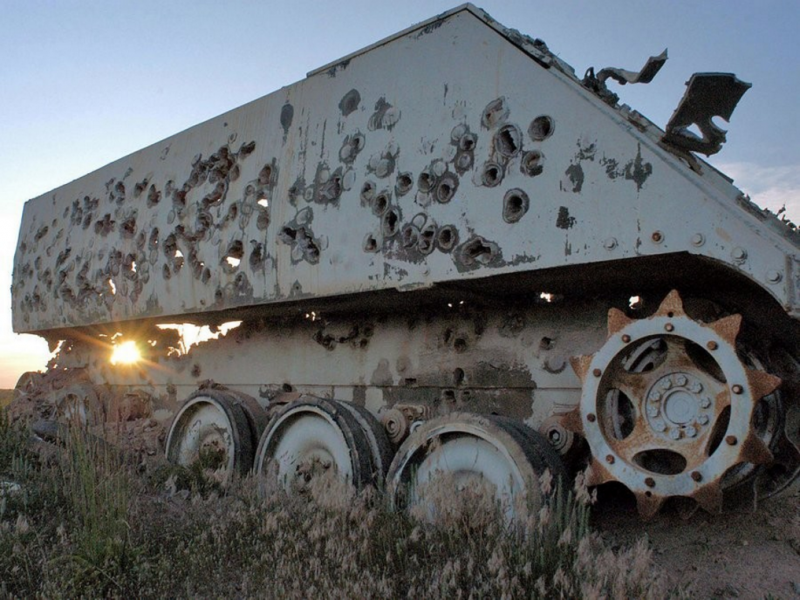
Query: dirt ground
x=734, y=555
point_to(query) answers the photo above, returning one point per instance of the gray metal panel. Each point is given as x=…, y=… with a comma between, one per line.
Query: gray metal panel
x=606, y=191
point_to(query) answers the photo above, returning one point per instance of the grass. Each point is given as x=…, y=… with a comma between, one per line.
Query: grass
x=6, y=396
x=83, y=524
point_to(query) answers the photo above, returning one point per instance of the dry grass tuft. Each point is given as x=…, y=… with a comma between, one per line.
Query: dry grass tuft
x=83, y=524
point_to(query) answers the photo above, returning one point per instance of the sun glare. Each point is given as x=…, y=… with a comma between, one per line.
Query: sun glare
x=125, y=353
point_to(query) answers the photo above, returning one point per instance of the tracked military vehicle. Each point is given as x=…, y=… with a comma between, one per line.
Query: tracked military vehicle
x=445, y=253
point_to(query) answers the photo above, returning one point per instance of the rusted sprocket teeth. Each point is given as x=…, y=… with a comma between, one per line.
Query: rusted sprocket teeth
x=761, y=384
x=617, y=321
x=709, y=497
x=755, y=451
x=580, y=364
x=671, y=306
x=728, y=328
x=686, y=507
x=597, y=474
x=572, y=421
x=648, y=506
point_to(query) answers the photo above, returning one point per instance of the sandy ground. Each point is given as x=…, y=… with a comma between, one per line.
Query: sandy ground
x=734, y=555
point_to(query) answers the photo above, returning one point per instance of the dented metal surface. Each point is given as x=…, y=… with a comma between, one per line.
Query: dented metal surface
x=422, y=248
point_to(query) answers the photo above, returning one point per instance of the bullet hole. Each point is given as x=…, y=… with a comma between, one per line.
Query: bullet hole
x=60, y=259
x=256, y=256
x=495, y=113
x=247, y=149
x=446, y=188
x=515, y=205
x=216, y=196
x=263, y=219
x=118, y=195
x=153, y=196
x=480, y=251
x=302, y=242
x=385, y=116
x=328, y=185
x=206, y=274
x=76, y=216
x=541, y=128
x=447, y=238
x=389, y=223
x=370, y=243
x=460, y=345
x=139, y=188
x=383, y=162
x=42, y=231
x=380, y=204
x=467, y=142
x=508, y=141
x=352, y=145
x=349, y=102
x=233, y=256
x=166, y=272
x=532, y=163
x=458, y=376
x=196, y=370
x=129, y=266
x=234, y=173
x=179, y=196
x=404, y=184
x=233, y=212
x=492, y=174
x=546, y=343
x=426, y=181
x=409, y=236
x=203, y=222
x=105, y=225
x=287, y=387
x=367, y=193
x=127, y=228
x=287, y=115
x=266, y=175
x=427, y=239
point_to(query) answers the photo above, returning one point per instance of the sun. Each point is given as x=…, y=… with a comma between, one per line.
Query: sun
x=126, y=353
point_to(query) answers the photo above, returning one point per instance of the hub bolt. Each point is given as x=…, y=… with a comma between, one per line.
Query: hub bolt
x=626, y=338
x=712, y=345
x=703, y=419
x=597, y=372
x=705, y=402
x=680, y=380
x=610, y=459
x=655, y=396
x=697, y=476
x=737, y=389
x=650, y=482
x=731, y=440
x=591, y=418
x=652, y=411
x=696, y=387
x=669, y=327
x=675, y=434
x=691, y=431
x=659, y=426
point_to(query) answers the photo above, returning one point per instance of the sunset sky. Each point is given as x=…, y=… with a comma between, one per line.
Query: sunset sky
x=85, y=83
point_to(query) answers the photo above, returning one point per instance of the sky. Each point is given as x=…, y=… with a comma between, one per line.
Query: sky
x=83, y=83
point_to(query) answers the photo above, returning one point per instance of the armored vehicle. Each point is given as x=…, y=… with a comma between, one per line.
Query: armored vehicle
x=445, y=253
